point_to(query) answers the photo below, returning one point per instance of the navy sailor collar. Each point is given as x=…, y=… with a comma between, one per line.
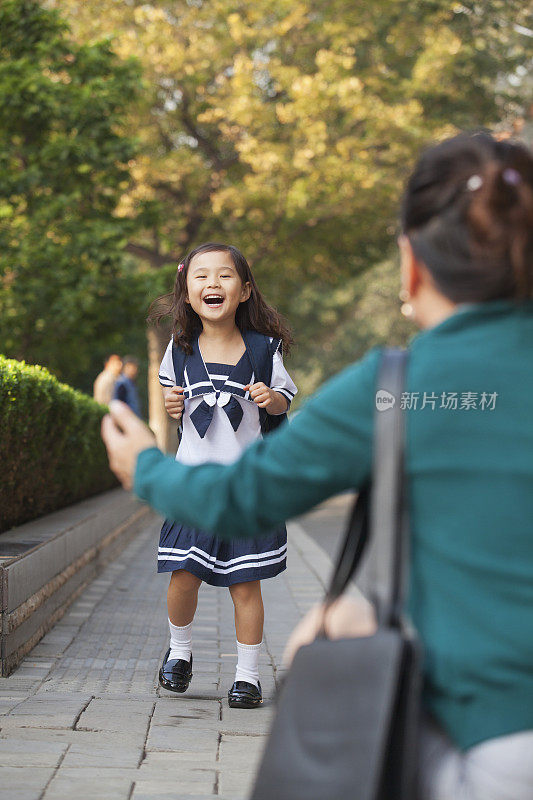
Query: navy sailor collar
x=196, y=383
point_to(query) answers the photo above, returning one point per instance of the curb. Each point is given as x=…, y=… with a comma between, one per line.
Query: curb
x=61, y=554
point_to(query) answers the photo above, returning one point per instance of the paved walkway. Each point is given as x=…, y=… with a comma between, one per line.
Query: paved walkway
x=83, y=716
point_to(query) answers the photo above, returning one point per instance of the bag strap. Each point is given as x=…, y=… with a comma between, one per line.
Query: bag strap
x=388, y=509
x=379, y=512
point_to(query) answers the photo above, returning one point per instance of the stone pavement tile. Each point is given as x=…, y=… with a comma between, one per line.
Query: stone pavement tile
x=201, y=688
x=98, y=750
x=164, y=738
x=176, y=789
x=15, y=752
x=10, y=692
x=142, y=792
x=238, y=751
x=163, y=771
x=120, y=697
x=116, y=715
x=53, y=710
x=256, y=721
x=86, y=744
x=23, y=784
x=175, y=711
x=33, y=670
x=65, y=735
x=7, y=704
x=237, y=785
x=238, y=758
x=205, y=652
x=202, y=667
x=206, y=658
x=89, y=784
x=181, y=762
x=19, y=684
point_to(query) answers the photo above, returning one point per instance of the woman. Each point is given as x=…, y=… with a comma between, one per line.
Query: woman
x=467, y=279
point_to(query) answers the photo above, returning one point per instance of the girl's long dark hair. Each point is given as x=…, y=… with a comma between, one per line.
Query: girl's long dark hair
x=468, y=213
x=254, y=314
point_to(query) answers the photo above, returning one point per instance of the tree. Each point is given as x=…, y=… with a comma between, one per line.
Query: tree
x=67, y=292
x=288, y=127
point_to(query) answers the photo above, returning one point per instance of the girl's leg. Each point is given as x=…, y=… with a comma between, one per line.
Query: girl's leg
x=182, y=596
x=249, y=612
x=182, y=599
x=249, y=619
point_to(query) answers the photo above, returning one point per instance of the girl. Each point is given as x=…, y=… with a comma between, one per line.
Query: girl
x=223, y=379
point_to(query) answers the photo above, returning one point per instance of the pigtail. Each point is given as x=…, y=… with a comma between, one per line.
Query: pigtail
x=501, y=220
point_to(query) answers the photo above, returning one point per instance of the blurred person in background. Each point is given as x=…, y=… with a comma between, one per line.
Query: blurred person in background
x=105, y=381
x=125, y=388
x=467, y=281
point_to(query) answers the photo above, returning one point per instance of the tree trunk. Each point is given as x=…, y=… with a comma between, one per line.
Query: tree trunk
x=164, y=428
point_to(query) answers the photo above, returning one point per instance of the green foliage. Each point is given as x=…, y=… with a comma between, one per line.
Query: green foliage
x=285, y=127
x=65, y=287
x=288, y=127
x=363, y=313
x=50, y=446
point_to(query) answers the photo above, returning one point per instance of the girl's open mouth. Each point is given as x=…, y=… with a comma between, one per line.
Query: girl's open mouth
x=214, y=300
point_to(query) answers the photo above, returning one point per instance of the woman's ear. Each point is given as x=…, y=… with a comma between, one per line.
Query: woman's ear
x=246, y=292
x=410, y=267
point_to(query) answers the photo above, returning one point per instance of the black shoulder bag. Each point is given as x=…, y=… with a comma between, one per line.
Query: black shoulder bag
x=347, y=720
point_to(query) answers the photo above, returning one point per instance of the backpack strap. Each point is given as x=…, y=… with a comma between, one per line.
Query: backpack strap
x=179, y=358
x=261, y=353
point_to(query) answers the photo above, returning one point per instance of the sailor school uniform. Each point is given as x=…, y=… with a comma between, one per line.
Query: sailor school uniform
x=219, y=421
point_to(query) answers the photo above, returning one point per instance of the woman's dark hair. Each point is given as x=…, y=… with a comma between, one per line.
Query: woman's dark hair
x=253, y=314
x=468, y=213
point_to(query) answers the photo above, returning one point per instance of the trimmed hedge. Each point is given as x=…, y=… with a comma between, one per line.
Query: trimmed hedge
x=51, y=453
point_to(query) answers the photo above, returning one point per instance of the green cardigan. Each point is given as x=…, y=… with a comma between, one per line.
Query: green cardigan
x=470, y=473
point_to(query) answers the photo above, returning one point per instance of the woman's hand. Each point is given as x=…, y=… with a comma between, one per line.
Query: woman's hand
x=174, y=401
x=346, y=618
x=265, y=397
x=125, y=436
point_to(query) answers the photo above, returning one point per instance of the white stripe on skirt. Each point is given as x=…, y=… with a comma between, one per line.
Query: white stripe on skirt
x=241, y=562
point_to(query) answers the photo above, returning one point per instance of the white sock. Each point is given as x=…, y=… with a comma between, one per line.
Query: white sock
x=180, y=641
x=248, y=663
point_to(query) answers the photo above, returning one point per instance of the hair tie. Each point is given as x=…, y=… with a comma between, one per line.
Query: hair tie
x=511, y=176
x=474, y=183
x=181, y=267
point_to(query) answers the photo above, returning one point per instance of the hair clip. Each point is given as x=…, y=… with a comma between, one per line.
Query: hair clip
x=511, y=176
x=181, y=267
x=474, y=183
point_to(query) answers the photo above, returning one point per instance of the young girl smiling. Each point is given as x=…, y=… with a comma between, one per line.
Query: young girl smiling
x=223, y=379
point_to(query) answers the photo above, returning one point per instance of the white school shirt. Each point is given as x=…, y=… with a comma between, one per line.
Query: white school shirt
x=221, y=444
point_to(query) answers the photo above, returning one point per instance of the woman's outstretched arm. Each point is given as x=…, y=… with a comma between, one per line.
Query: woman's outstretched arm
x=326, y=449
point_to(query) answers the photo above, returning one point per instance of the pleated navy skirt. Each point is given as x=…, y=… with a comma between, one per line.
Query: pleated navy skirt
x=221, y=562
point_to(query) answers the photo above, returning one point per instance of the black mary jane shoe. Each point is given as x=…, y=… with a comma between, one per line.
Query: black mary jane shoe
x=175, y=675
x=244, y=695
